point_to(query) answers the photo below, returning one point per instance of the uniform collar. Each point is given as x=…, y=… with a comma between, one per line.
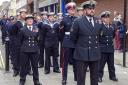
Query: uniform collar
x=30, y=27
x=89, y=18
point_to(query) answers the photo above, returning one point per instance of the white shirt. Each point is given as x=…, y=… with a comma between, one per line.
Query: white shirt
x=23, y=22
x=92, y=20
x=29, y=27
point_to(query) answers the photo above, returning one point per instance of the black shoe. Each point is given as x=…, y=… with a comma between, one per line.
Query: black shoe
x=47, y=72
x=75, y=79
x=64, y=82
x=114, y=79
x=99, y=79
x=16, y=73
x=56, y=71
x=37, y=83
x=40, y=66
x=30, y=73
x=22, y=83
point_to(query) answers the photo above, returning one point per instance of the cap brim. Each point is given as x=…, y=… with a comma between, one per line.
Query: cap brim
x=29, y=18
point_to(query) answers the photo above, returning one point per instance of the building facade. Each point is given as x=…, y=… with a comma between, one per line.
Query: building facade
x=20, y=4
x=12, y=8
x=48, y=5
x=5, y=8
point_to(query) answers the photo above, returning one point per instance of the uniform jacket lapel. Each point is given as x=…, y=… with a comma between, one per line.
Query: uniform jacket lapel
x=87, y=23
x=96, y=25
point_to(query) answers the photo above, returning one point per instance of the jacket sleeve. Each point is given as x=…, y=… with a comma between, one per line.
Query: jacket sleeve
x=122, y=28
x=74, y=31
x=21, y=37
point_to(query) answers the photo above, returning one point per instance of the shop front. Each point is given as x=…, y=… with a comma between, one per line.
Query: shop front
x=49, y=5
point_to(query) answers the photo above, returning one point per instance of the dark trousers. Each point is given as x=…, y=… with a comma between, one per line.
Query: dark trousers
x=33, y=58
x=68, y=54
x=51, y=51
x=41, y=57
x=121, y=43
x=15, y=55
x=109, y=59
x=61, y=54
x=16, y=58
x=81, y=72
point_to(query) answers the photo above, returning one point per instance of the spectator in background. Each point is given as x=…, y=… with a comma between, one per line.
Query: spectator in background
x=18, y=16
x=116, y=24
x=121, y=30
x=79, y=11
x=9, y=26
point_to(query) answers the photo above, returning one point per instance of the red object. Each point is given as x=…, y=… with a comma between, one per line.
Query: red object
x=117, y=41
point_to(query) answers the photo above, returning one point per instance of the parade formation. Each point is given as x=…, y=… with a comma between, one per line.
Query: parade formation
x=46, y=40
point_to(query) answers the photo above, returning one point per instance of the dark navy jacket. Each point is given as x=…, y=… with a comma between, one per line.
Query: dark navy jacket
x=65, y=27
x=86, y=39
x=51, y=34
x=29, y=39
x=16, y=28
x=106, y=39
x=41, y=32
x=122, y=30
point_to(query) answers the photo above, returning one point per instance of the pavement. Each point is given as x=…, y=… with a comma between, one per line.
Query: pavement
x=6, y=78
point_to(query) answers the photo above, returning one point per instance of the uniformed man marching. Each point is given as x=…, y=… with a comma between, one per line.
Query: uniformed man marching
x=29, y=50
x=14, y=33
x=107, y=47
x=51, y=31
x=41, y=37
x=85, y=34
x=67, y=44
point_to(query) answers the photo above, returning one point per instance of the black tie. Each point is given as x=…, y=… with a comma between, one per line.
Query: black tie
x=90, y=22
x=30, y=28
x=72, y=18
